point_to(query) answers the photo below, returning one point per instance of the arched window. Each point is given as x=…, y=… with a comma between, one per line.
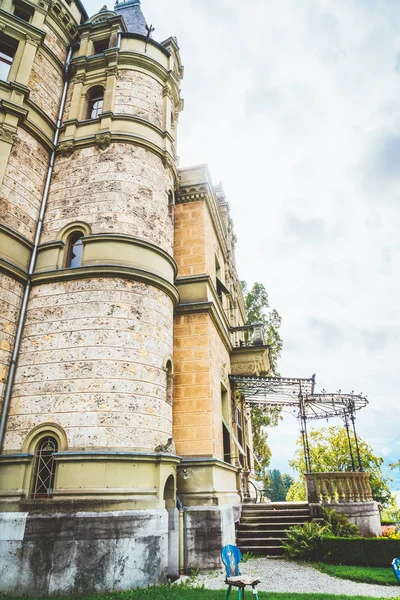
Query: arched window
x=169, y=381
x=95, y=102
x=75, y=250
x=44, y=468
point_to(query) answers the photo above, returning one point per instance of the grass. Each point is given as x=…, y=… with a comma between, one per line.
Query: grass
x=185, y=592
x=377, y=575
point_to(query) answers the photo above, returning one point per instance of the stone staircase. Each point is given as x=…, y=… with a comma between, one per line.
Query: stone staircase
x=261, y=529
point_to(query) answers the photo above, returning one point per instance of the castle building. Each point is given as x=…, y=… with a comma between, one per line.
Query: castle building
x=122, y=315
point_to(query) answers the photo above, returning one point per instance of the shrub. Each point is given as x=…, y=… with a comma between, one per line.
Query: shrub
x=367, y=552
x=303, y=540
x=339, y=524
x=391, y=531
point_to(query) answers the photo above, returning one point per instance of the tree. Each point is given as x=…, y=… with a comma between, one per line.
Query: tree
x=257, y=305
x=278, y=485
x=329, y=450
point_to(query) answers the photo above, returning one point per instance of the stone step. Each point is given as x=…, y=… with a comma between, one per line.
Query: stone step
x=276, y=506
x=243, y=533
x=274, y=513
x=274, y=519
x=268, y=542
x=261, y=550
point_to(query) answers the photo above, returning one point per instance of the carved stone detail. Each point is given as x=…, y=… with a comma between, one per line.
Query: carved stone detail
x=79, y=78
x=103, y=140
x=66, y=148
x=6, y=134
x=110, y=71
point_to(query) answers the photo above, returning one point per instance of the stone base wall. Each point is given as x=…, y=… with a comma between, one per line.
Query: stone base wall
x=364, y=514
x=84, y=552
x=207, y=530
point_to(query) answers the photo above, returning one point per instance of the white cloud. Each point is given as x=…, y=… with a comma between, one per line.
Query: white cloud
x=296, y=107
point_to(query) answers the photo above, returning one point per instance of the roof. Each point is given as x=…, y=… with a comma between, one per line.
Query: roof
x=131, y=11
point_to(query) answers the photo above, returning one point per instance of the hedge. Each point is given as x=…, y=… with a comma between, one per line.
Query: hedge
x=365, y=552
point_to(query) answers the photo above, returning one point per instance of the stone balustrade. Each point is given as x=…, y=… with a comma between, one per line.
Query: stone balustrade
x=327, y=488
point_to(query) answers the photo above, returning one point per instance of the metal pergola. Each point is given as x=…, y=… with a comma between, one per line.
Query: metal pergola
x=298, y=397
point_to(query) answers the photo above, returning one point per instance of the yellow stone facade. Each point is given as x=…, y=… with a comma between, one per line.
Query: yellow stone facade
x=120, y=358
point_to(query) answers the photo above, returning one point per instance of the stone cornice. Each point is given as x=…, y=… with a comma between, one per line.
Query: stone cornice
x=21, y=27
x=207, y=307
x=16, y=235
x=94, y=271
x=12, y=271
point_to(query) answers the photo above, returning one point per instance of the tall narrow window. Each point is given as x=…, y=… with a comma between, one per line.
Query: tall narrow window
x=44, y=468
x=226, y=438
x=240, y=433
x=8, y=48
x=171, y=204
x=169, y=382
x=75, y=250
x=95, y=102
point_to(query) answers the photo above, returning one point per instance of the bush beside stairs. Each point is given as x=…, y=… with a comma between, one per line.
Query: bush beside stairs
x=261, y=529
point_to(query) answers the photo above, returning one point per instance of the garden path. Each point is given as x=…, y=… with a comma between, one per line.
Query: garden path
x=280, y=575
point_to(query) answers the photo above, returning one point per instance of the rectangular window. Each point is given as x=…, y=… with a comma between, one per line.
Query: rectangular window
x=8, y=48
x=23, y=11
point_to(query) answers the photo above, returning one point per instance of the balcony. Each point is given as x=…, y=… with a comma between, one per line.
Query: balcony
x=250, y=354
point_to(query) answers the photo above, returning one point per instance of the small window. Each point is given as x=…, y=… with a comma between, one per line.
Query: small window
x=44, y=468
x=8, y=48
x=101, y=45
x=75, y=251
x=95, y=102
x=23, y=11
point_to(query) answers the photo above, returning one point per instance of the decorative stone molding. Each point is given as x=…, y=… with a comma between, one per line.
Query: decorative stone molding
x=110, y=71
x=66, y=148
x=79, y=78
x=192, y=194
x=250, y=360
x=7, y=134
x=31, y=40
x=103, y=140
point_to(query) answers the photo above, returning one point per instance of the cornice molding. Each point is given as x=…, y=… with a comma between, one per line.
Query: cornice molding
x=94, y=271
x=12, y=271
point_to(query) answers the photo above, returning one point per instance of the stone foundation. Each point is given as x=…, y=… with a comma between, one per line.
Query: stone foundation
x=86, y=552
x=207, y=530
x=364, y=514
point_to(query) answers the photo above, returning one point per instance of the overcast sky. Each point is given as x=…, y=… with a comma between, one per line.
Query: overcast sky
x=295, y=106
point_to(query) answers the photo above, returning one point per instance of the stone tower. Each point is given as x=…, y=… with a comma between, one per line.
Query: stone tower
x=87, y=270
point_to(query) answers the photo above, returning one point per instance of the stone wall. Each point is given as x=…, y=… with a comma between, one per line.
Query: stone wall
x=46, y=84
x=92, y=361
x=23, y=183
x=10, y=301
x=192, y=399
x=123, y=189
x=140, y=95
x=190, y=239
x=220, y=368
x=82, y=553
x=54, y=43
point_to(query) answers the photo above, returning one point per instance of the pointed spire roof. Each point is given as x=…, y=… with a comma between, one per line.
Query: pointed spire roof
x=133, y=16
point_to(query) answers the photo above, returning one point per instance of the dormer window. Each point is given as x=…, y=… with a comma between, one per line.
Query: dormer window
x=75, y=250
x=8, y=48
x=23, y=11
x=95, y=102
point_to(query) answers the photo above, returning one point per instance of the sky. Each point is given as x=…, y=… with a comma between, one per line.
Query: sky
x=295, y=106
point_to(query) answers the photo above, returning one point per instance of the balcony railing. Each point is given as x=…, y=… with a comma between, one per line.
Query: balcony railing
x=248, y=335
x=327, y=488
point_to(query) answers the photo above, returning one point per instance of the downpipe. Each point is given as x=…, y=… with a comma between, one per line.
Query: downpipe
x=32, y=262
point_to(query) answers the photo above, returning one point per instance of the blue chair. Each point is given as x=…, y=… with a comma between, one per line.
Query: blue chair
x=231, y=557
x=396, y=567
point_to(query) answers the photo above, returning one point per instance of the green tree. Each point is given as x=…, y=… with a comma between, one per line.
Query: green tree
x=329, y=450
x=278, y=485
x=257, y=311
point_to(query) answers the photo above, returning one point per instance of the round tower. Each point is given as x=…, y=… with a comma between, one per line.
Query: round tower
x=89, y=422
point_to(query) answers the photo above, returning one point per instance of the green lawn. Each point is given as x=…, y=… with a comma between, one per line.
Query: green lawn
x=378, y=575
x=185, y=593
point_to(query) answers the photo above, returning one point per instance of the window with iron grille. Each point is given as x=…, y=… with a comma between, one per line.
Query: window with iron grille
x=44, y=468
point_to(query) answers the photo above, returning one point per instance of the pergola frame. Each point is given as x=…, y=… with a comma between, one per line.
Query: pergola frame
x=297, y=396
